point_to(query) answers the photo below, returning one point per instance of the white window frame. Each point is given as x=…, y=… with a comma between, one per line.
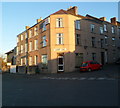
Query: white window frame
x=30, y=33
x=44, y=27
x=21, y=37
x=21, y=48
x=60, y=39
x=105, y=27
x=35, y=31
x=30, y=46
x=25, y=61
x=30, y=60
x=77, y=24
x=35, y=59
x=44, y=41
x=92, y=27
x=21, y=61
x=106, y=40
x=35, y=44
x=25, y=35
x=44, y=56
x=101, y=30
x=59, y=22
x=113, y=29
x=113, y=41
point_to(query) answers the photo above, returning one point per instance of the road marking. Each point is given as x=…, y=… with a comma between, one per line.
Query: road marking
x=82, y=78
x=101, y=78
x=91, y=78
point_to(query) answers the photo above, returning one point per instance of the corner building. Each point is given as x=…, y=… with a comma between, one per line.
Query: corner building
x=64, y=39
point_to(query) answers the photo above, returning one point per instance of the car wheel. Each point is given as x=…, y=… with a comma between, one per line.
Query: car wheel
x=89, y=70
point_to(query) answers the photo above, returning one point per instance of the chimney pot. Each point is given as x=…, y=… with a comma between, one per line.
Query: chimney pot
x=113, y=20
x=27, y=27
x=38, y=20
x=103, y=18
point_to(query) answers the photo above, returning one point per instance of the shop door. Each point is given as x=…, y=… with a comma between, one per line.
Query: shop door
x=60, y=63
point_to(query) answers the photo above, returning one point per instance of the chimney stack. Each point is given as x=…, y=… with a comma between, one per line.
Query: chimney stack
x=113, y=20
x=27, y=27
x=103, y=18
x=38, y=20
x=73, y=10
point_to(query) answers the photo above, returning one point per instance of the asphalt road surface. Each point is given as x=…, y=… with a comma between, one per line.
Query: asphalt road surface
x=97, y=88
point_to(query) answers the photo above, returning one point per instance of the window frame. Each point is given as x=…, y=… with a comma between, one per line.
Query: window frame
x=60, y=39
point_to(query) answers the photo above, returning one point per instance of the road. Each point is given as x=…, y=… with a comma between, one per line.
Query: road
x=97, y=88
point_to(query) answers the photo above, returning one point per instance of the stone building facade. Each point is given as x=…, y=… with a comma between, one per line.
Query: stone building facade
x=64, y=39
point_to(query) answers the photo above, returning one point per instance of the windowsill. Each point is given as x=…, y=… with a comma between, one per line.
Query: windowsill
x=59, y=27
x=77, y=29
x=59, y=44
x=43, y=31
x=44, y=46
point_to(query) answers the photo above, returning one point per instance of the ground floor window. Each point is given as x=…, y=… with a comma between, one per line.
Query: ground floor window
x=78, y=59
x=93, y=56
x=44, y=61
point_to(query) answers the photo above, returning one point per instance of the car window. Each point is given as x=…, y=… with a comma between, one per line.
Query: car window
x=84, y=64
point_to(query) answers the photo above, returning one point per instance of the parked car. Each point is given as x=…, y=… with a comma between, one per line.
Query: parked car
x=117, y=61
x=90, y=65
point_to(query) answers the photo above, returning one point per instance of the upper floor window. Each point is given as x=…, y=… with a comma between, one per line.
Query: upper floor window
x=25, y=35
x=30, y=33
x=59, y=38
x=93, y=41
x=35, y=44
x=113, y=29
x=77, y=24
x=102, y=43
x=35, y=31
x=59, y=22
x=105, y=27
x=113, y=41
x=30, y=46
x=44, y=41
x=106, y=40
x=44, y=27
x=21, y=37
x=21, y=48
x=78, y=40
x=92, y=26
x=101, y=30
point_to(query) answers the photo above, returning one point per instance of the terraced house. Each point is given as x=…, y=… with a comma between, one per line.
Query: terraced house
x=64, y=39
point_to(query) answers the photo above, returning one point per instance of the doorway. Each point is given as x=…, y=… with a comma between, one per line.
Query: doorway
x=60, y=63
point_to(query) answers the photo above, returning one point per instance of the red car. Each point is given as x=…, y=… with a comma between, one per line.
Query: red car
x=90, y=65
